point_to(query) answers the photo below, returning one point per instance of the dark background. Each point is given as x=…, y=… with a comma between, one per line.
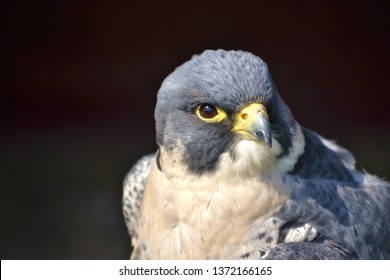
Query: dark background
x=79, y=83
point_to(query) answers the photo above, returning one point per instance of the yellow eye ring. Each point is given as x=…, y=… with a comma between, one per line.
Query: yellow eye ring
x=209, y=113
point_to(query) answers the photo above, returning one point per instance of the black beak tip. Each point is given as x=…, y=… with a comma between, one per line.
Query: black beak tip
x=264, y=137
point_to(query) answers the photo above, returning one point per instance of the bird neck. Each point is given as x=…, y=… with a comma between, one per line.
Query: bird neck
x=208, y=216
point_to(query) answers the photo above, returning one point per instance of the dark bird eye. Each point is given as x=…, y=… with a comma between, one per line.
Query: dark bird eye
x=207, y=111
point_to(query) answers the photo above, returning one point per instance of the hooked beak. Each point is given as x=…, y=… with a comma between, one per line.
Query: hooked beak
x=253, y=124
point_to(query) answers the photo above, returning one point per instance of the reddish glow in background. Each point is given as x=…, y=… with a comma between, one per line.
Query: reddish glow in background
x=79, y=88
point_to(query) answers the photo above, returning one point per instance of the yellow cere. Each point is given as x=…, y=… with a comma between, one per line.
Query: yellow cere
x=245, y=116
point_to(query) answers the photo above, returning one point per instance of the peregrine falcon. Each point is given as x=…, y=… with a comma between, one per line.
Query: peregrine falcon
x=237, y=177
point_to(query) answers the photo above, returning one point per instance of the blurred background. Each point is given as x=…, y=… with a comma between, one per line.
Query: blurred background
x=79, y=84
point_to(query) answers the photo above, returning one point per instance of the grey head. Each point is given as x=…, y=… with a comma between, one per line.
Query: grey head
x=227, y=80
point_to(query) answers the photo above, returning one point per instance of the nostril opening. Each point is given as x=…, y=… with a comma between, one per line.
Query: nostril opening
x=244, y=116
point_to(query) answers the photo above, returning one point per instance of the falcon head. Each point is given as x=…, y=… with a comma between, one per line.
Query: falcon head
x=222, y=110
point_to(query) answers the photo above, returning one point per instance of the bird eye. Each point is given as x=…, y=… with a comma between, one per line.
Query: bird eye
x=207, y=111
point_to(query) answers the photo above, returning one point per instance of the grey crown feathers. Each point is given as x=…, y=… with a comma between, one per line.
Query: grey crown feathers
x=306, y=199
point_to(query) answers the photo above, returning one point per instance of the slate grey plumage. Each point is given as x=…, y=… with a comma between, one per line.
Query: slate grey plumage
x=308, y=201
